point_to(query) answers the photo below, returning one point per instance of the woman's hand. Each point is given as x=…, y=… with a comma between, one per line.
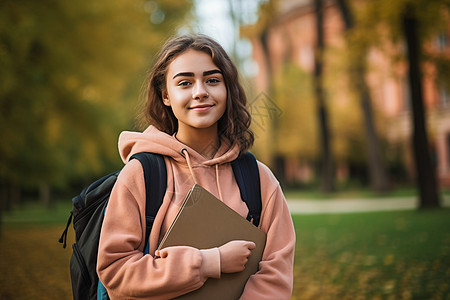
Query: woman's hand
x=234, y=255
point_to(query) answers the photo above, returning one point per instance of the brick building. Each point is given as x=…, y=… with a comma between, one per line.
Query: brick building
x=291, y=35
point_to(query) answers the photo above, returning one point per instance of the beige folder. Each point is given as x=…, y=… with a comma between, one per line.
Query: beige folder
x=203, y=222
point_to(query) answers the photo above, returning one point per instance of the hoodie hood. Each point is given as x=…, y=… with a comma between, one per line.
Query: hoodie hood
x=156, y=141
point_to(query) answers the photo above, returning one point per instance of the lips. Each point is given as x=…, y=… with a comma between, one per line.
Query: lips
x=202, y=107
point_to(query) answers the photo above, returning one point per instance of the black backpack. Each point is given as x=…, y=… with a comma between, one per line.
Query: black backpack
x=89, y=207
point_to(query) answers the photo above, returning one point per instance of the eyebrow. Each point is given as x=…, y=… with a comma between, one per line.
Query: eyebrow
x=191, y=74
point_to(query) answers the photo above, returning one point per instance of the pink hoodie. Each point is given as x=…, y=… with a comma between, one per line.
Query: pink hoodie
x=128, y=274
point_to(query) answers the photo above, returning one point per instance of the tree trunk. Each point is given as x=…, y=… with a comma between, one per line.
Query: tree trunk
x=3, y=196
x=235, y=19
x=44, y=191
x=326, y=167
x=377, y=170
x=15, y=196
x=278, y=170
x=426, y=176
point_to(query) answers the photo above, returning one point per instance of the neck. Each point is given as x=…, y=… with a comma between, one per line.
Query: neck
x=204, y=141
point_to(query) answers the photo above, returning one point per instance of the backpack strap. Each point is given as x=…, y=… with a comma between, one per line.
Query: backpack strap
x=155, y=175
x=245, y=169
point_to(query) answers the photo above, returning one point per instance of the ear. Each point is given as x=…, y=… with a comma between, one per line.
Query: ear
x=165, y=97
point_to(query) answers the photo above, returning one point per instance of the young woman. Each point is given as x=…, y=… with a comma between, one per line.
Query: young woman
x=198, y=120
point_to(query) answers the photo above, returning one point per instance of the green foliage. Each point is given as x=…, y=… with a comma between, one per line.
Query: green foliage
x=70, y=78
x=344, y=109
x=297, y=126
x=381, y=21
x=293, y=93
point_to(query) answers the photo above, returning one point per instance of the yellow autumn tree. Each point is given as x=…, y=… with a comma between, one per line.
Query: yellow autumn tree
x=70, y=79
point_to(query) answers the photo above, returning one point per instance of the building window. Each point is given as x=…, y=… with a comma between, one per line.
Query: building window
x=442, y=41
x=444, y=97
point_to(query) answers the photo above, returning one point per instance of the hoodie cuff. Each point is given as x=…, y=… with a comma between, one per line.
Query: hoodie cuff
x=210, y=263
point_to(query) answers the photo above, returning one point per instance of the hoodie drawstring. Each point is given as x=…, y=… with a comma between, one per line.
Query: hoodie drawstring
x=188, y=160
x=217, y=182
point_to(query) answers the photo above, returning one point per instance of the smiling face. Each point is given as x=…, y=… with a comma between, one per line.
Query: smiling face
x=195, y=90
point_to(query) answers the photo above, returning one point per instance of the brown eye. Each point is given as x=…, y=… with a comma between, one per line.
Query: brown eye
x=213, y=80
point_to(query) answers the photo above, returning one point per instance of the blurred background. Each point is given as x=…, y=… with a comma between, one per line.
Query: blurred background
x=350, y=100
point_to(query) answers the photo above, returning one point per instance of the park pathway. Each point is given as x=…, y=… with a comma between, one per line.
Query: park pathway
x=324, y=206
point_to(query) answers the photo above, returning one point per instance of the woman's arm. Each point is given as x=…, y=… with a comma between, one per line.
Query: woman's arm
x=123, y=268
x=274, y=280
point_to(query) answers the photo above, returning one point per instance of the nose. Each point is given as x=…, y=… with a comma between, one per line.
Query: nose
x=199, y=91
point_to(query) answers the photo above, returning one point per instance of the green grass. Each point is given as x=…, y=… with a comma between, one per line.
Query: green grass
x=379, y=255
x=384, y=255
x=36, y=214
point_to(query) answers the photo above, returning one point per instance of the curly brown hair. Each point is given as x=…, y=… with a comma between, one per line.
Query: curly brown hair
x=235, y=122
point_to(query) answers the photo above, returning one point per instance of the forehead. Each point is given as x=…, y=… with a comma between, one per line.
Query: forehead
x=191, y=61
